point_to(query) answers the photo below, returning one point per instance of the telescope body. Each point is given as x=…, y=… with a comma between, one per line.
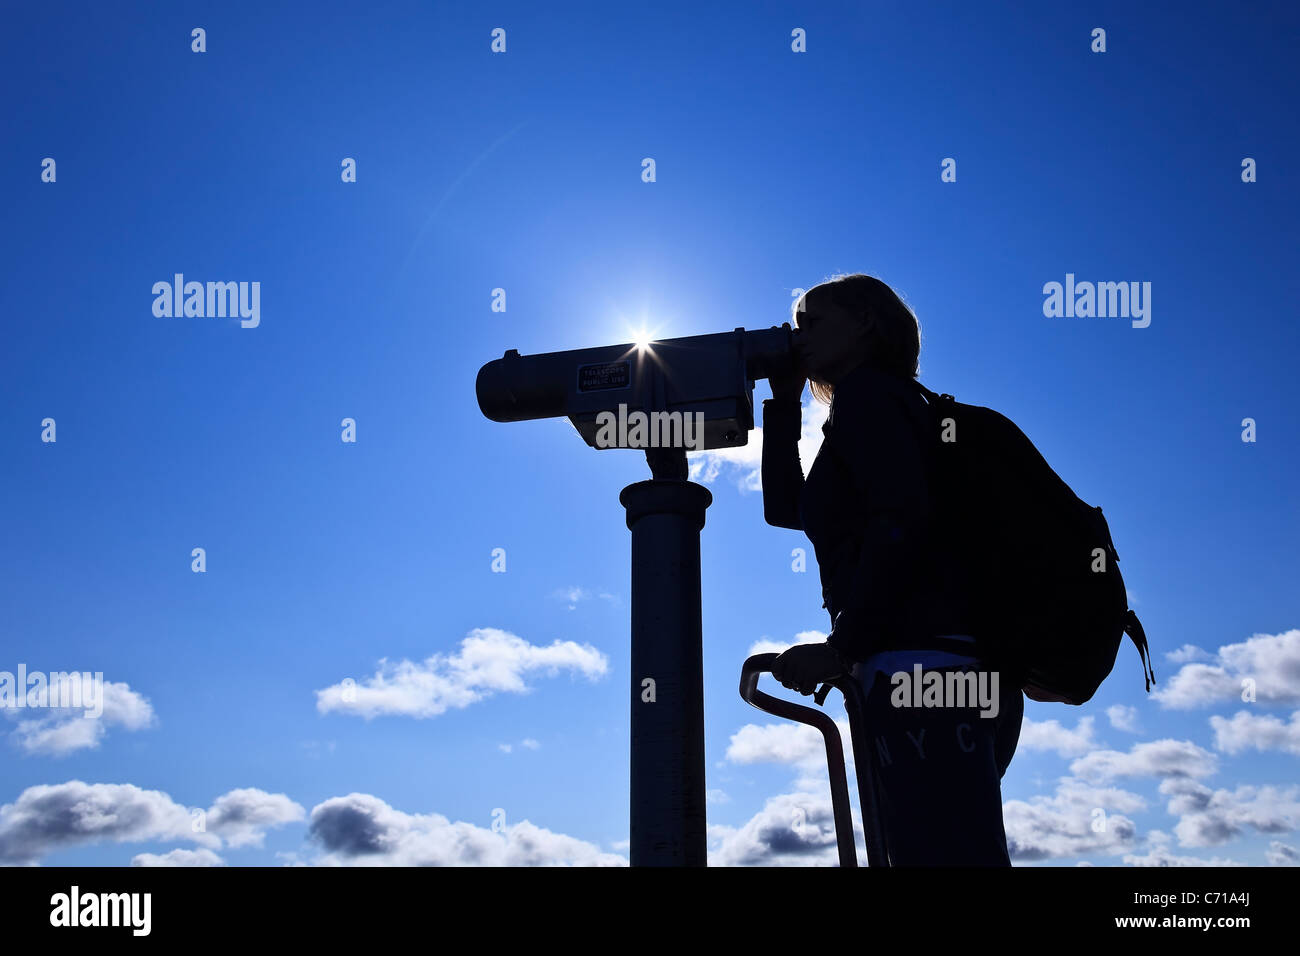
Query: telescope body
x=707, y=379
x=705, y=382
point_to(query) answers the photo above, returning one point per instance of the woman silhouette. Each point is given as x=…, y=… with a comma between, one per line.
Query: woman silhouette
x=891, y=583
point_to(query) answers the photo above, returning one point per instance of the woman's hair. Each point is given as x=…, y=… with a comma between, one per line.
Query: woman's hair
x=894, y=334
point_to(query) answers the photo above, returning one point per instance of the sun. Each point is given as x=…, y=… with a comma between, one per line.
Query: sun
x=642, y=330
x=642, y=338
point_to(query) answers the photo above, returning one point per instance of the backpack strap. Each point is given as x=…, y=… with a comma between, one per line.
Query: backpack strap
x=1133, y=628
x=930, y=445
x=933, y=398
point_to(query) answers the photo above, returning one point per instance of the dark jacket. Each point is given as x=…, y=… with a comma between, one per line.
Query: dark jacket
x=889, y=578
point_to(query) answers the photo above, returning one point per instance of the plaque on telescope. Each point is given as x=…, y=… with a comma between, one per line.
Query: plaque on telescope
x=592, y=378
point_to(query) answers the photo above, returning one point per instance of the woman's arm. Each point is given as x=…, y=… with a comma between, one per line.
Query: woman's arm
x=874, y=435
x=782, y=472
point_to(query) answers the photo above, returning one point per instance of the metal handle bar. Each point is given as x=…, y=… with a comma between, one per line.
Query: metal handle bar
x=877, y=852
x=749, y=692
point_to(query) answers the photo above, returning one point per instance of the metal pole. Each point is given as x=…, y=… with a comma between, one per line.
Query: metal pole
x=667, y=826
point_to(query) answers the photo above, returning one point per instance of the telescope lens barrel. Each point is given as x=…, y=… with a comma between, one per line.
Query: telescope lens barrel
x=519, y=388
x=769, y=352
x=707, y=372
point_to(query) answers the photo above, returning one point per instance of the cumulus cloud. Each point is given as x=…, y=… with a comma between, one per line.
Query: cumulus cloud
x=1209, y=817
x=1077, y=820
x=490, y=661
x=1187, y=654
x=363, y=830
x=47, y=818
x=1123, y=718
x=1156, y=758
x=200, y=857
x=1281, y=854
x=58, y=731
x=745, y=463
x=1247, y=731
x=793, y=829
x=767, y=646
x=1050, y=735
x=1161, y=856
x=790, y=743
x=241, y=817
x=1271, y=662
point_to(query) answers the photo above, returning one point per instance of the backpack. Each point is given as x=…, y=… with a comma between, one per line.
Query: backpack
x=1050, y=606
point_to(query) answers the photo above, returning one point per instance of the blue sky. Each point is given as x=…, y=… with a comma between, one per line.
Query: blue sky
x=522, y=171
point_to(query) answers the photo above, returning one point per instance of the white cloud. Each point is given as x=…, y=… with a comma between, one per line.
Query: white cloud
x=1123, y=718
x=793, y=829
x=200, y=857
x=1187, y=654
x=716, y=796
x=1156, y=758
x=1050, y=735
x=1159, y=856
x=362, y=830
x=1281, y=854
x=241, y=817
x=767, y=646
x=1271, y=661
x=528, y=743
x=793, y=744
x=746, y=461
x=490, y=661
x=1212, y=817
x=58, y=731
x=1077, y=820
x=574, y=595
x=1245, y=731
x=1195, y=685
x=47, y=818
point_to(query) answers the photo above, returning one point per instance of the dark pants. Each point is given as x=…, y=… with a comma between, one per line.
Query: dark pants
x=939, y=772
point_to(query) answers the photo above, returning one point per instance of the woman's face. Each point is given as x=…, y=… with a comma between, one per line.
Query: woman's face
x=829, y=341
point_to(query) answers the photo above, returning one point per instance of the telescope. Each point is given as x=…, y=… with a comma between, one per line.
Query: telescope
x=706, y=381
x=705, y=378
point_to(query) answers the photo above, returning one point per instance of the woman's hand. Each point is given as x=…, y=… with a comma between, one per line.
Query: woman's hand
x=789, y=385
x=804, y=666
